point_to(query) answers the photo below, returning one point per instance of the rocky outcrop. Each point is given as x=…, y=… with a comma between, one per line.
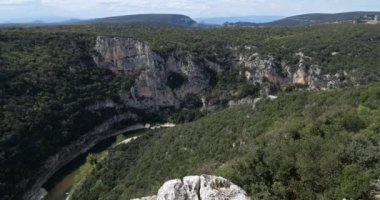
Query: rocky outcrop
x=268, y=68
x=162, y=81
x=124, y=54
x=147, y=198
x=244, y=101
x=167, y=81
x=203, y=187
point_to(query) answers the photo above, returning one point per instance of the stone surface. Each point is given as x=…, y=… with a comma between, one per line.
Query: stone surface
x=191, y=185
x=244, y=101
x=219, y=188
x=160, y=81
x=172, y=189
x=203, y=187
x=147, y=198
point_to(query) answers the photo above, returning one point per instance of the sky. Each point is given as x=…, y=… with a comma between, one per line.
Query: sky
x=85, y=9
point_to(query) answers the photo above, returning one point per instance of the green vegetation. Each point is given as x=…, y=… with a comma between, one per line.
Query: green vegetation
x=46, y=83
x=357, y=45
x=98, y=153
x=48, y=79
x=303, y=145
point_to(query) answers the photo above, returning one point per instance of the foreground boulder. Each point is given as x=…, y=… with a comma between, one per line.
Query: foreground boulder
x=203, y=187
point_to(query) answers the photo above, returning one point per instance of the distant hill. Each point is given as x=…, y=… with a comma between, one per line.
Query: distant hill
x=186, y=21
x=146, y=19
x=320, y=18
x=164, y=19
x=310, y=19
x=233, y=19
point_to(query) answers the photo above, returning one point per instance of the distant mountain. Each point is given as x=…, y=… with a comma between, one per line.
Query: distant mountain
x=185, y=21
x=164, y=19
x=31, y=20
x=319, y=18
x=157, y=19
x=234, y=19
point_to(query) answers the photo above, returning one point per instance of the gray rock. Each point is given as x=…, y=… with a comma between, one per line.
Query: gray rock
x=203, y=187
x=156, y=85
x=172, y=189
x=191, y=185
x=244, y=101
x=160, y=81
x=147, y=198
x=219, y=188
x=123, y=54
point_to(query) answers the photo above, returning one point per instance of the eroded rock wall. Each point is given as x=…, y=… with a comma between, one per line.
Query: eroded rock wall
x=166, y=81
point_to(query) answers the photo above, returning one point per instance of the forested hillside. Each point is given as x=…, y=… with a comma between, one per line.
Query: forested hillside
x=303, y=145
x=357, y=46
x=321, y=18
x=314, y=19
x=54, y=97
x=46, y=82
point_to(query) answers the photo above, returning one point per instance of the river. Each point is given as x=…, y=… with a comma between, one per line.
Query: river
x=60, y=185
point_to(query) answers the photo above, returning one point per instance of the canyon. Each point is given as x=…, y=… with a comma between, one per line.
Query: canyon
x=181, y=81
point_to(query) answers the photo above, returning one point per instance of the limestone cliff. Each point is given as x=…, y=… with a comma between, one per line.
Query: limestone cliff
x=167, y=81
x=284, y=75
x=163, y=82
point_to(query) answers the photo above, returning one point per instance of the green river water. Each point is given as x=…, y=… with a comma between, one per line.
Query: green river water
x=60, y=185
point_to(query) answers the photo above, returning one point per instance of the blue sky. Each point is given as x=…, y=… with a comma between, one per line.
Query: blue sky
x=32, y=9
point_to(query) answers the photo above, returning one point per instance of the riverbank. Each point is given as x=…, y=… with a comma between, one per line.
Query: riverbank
x=72, y=172
x=69, y=153
x=62, y=183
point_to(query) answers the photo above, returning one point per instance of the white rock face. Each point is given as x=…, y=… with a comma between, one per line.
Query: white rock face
x=172, y=189
x=147, y=198
x=244, y=101
x=191, y=184
x=219, y=188
x=203, y=187
x=180, y=190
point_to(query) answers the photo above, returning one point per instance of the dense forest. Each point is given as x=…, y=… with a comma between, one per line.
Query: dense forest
x=303, y=145
x=48, y=80
x=357, y=45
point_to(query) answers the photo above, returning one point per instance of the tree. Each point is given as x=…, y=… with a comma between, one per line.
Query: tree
x=354, y=183
x=91, y=158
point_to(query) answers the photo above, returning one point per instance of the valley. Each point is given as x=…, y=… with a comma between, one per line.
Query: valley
x=61, y=183
x=66, y=177
x=284, y=113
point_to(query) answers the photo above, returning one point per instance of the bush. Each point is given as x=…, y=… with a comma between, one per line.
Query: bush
x=354, y=183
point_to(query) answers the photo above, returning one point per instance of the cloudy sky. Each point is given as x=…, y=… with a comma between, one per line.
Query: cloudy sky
x=25, y=9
